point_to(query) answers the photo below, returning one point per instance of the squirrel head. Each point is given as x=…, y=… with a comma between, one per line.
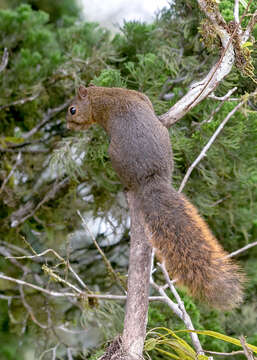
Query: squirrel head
x=79, y=115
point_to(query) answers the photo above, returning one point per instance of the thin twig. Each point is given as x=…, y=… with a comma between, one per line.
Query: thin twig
x=239, y=352
x=71, y=294
x=56, y=277
x=106, y=261
x=53, y=349
x=186, y=318
x=59, y=257
x=234, y=253
x=248, y=352
x=15, y=221
x=29, y=309
x=48, y=292
x=217, y=109
x=20, y=101
x=4, y=60
x=47, y=117
x=18, y=161
x=208, y=145
x=250, y=27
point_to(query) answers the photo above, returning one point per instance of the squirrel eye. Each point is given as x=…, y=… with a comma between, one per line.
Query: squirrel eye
x=72, y=110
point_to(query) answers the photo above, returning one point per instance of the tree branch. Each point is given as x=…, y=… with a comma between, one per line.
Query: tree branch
x=4, y=60
x=208, y=145
x=239, y=251
x=20, y=101
x=18, y=161
x=250, y=27
x=47, y=117
x=201, y=89
x=217, y=109
x=138, y=283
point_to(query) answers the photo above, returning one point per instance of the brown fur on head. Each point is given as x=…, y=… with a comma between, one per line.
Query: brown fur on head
x=77, y=117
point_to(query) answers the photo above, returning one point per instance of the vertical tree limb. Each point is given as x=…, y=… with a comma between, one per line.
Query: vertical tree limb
x=138, y=284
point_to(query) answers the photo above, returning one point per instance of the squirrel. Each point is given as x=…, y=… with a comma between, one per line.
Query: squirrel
x=140, y=153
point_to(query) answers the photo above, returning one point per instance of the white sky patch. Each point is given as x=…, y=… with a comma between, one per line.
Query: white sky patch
x=114, y=12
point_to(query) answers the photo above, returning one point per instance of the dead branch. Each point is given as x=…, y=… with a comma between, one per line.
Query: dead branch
x=208, y=145
x=185, y=317
x=29, y=209
x=47, y=117
x=239, y=251
x=239, y=352
x=249, y=28
x=106, y=261
x=20, y=101
x=4, y=60
x=217, y=109
x=18, y=161
x=248, y=352
x=29, y=309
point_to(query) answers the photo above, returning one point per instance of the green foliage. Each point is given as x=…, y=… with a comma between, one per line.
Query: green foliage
x=109, y=78
x=56, y=9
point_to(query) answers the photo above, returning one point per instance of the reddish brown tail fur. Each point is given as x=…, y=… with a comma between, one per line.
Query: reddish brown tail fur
x=191, y=253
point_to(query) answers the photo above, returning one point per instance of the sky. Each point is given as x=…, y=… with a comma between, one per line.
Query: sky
x=112, y=12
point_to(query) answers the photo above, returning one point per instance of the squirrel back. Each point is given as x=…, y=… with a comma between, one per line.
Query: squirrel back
x=140, y=152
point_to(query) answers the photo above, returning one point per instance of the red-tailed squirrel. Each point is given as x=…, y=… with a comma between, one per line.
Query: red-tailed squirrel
x=140, y=152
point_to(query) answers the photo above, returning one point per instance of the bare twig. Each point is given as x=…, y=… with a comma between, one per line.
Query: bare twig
x=249, y=28
x=57, y=278
x=31, y=151
x=221, y=98
x=38, y=288
x=69, y=354
x=248, y=352
x=234, y=253
x=208, y=145
x=239, y=352
x=185, y=317
x=71, y=294
x=20, y=101
x=17, y=219
x=47, y=117
x=29, y=309
x=217, y=109
x=4, y=60
x=53, y=349
x=106, y=261
x=18, y=161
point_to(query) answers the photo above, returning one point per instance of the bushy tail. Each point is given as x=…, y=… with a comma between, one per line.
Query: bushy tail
x=191, y=253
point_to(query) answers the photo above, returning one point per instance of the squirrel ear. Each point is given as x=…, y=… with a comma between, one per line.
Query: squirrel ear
x=82, y=92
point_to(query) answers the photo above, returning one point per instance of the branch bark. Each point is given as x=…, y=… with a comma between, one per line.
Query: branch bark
x=201, y=89
x=138, y=284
